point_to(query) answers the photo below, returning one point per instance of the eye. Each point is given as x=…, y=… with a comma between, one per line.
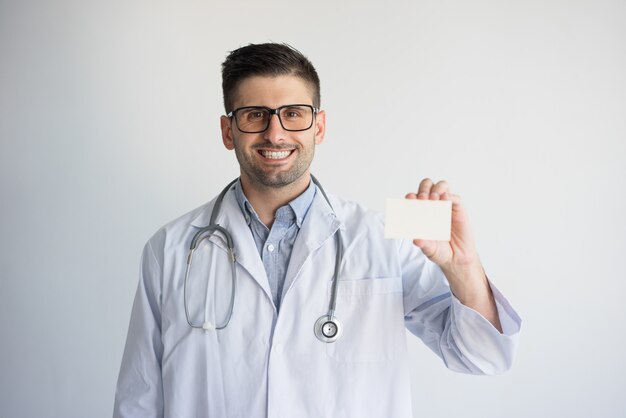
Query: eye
x=255, y=115
x=292, y=113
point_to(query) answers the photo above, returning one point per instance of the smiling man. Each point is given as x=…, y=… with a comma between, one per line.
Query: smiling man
x=294, y=304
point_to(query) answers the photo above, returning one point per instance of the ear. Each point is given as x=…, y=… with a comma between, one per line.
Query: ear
x=227, y=132
x=320, y=127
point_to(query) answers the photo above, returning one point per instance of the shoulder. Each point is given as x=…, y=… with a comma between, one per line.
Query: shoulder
x=355, y=215
x=177, y=230
x=362, y=227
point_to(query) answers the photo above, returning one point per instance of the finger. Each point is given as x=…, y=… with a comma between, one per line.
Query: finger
x=429, y=248
x=456, y=199
x=410, y=196
x=440, y=188
x=424, y=189
x=449, y=196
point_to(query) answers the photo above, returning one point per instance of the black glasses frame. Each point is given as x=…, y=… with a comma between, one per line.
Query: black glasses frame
x=233, y=115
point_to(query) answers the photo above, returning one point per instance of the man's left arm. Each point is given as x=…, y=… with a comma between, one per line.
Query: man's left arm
x=452, y=306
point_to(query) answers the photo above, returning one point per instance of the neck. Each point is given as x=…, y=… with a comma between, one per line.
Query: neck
x=266, y=199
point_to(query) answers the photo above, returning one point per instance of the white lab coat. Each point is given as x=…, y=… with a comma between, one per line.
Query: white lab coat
x=269, y=365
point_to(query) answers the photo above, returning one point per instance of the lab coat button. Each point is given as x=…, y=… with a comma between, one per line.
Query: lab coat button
x=278, y=348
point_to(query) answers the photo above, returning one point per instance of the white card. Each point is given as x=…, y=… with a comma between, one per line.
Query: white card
x=418, y=219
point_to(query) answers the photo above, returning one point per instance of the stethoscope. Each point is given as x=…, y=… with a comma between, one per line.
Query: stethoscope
x=327, y=328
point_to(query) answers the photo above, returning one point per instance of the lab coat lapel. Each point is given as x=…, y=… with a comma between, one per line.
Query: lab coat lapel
x=246, y=253
x=320, y=224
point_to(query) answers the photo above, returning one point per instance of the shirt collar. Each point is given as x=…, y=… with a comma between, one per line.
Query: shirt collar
x=300, y=205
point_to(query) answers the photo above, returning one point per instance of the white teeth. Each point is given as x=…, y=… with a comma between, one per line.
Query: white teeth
x=275, y=155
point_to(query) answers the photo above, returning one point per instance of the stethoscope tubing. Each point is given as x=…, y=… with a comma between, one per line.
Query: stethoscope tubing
x=196, y=240
x=338, y=257
x=209, y=230
x=213, y=229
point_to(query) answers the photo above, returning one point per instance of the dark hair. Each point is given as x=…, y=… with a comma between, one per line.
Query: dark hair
x=268, y=59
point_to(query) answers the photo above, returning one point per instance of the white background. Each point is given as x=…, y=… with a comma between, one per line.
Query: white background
x=109, y=127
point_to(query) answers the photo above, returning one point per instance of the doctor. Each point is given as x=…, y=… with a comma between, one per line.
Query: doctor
x=268, y=361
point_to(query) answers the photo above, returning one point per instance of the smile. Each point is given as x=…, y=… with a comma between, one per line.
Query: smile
x=275, y=155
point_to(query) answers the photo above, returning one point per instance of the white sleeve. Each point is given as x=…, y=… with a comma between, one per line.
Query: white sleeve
x=462, y=337
x=139, y=390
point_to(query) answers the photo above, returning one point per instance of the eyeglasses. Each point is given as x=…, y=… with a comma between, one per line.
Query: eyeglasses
x=256, y=119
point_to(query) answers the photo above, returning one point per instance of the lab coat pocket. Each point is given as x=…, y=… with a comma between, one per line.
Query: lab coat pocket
x=371, y=312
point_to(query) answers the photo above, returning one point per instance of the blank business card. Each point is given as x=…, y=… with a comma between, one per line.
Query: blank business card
x=418, y=219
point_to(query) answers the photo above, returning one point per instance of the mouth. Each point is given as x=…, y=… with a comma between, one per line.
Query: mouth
x=275, y=155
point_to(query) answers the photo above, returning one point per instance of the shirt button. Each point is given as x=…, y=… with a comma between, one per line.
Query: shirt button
x=270, y=248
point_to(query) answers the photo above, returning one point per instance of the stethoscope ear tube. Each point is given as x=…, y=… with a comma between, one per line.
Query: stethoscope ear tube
x=202, y=234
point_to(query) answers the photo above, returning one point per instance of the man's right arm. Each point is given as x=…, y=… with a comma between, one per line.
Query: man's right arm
x=139, y=390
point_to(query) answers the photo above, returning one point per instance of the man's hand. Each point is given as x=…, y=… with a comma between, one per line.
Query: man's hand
x=458, y=258
x=460, y=251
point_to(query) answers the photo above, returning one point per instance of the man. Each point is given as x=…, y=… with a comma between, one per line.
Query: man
x=187, y=355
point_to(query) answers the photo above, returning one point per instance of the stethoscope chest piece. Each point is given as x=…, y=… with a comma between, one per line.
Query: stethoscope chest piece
x=327, y=329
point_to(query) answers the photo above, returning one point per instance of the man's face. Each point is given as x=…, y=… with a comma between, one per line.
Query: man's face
x=274, y=158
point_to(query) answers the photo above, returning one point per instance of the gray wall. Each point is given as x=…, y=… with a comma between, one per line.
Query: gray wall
x=109, y=128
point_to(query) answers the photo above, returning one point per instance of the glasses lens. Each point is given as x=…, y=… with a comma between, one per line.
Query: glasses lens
x=296, y=118
x=252, y=119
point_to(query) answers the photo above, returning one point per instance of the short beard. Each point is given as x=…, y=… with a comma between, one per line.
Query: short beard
x=274, y=180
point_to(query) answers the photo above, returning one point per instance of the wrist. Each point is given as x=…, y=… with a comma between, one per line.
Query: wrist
x=468, y=282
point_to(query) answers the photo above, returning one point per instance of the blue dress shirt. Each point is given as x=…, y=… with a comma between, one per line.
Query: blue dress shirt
x=275, y=244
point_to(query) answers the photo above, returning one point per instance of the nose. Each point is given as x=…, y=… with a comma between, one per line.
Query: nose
x=274, y=131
